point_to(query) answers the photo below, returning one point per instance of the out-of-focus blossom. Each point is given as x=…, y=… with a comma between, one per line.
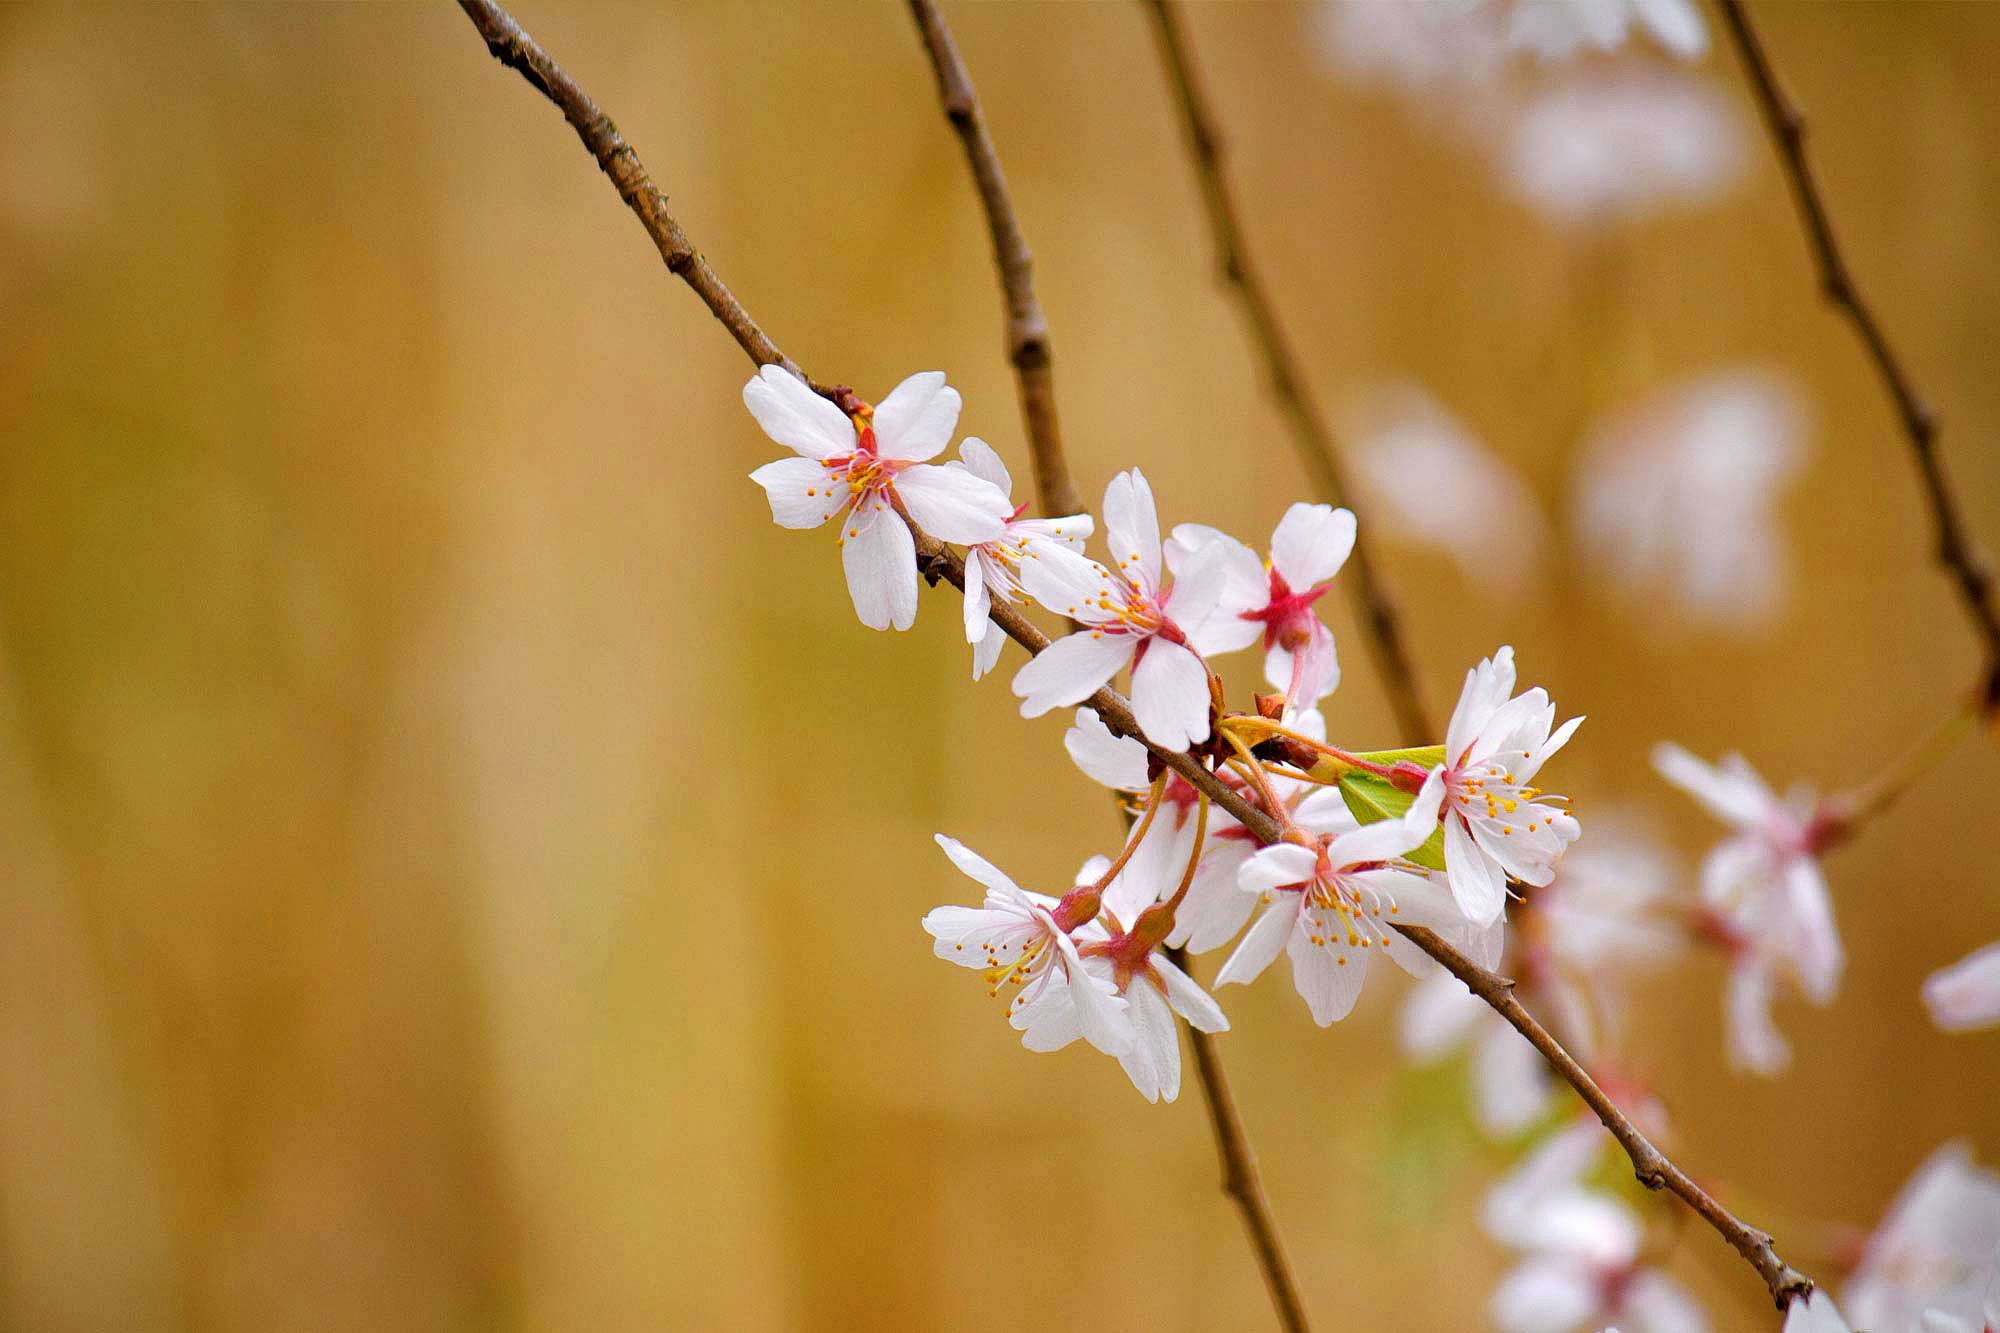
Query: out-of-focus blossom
x=1131, y=617
x=860, y=469
x=1763, y=896
x=1558, y=29
x=1495, y=824
x=1930, y=1266
x=1310, y=544
x=993, y=569
x=1679, y=495
x=1815, y=1314
x=1428, y=480
x=1966, y=995
x=1510, y=1083
x=1605, y=145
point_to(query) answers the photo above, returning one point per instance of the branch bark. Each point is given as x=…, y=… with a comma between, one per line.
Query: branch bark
x=1787, y=126
x=516, y=49
x=1027, y=333
x=1310, y=433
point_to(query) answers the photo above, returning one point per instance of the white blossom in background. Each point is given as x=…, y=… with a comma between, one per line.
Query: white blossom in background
x=1930, y=1266
x=1495, y=824
x=1966, y=995
x=1025, y=955
x=1428, y=480
x=1679, y=495
x=1556, y=30
x=993, y=569
x=1131, y=617
x=1309, y=546
x=1582, y=1268
x=1815, y=1314
x=1510, y=1083
x=1764, y=897
x=1603, y=145
x=859, y=475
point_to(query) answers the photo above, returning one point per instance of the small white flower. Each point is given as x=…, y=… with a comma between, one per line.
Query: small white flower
x=860, y=475
x=1156, y=990
x=1933, y=1258
x=1966, y=995
x=1015, y=940
x=1331, y=905
x=1130, y=617
x=1495, y=824
x=993, y=569
x=1764, y=897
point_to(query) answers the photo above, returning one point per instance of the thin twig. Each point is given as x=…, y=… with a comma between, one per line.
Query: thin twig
x=1954, y=547
x=937, y=561
x=1310, y=432
x=1027, y=331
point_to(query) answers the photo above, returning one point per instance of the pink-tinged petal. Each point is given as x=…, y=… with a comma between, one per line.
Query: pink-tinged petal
x=1188, y=999
x=1438, y=1017
x=915, y=421
x=1475, y=881
x=801, y=494
x=1264, y=942
x=1153, y=871
x=1754, y=1042
x=1815, y=1314
x=1070, y=670
x=880, y=558
x=978, y=602
x=1213, y=590
x=1509, y=1079
x=1215, y=908
x=1327, y=985
x=1117, y=762
x=975, y=866
x=1731, y=792
x=1102, y=1013
x=1655, y=1303
x=1544, y=1295
x=1070, y=583
x=1132, y=527
x=1311, y=543
x=1275, y=866
x=987, y=651
x=795, y=416
x=1318, y=674
x=983, y=462
x=1154, y=1061
x=952, y=505
x=1170, y=696
x=1817, y=955
x=1966, y=995
x=1486, y=689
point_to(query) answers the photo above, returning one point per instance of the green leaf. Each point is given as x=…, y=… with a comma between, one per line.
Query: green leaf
x=1425, y=756
x=1370, y=799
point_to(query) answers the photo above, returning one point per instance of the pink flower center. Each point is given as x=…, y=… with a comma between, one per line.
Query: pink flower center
x=1288, y=615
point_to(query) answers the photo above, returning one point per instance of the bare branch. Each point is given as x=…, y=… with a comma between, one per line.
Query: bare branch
x=1954, y=547
x=1310, y=432
x=937, y=561
x=1027, y=330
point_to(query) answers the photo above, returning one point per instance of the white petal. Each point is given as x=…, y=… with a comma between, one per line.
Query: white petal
x=800, y=492
x=1132, y=527
x=978, y=602
x=976, y=866
x=1655, y=1303
x=1311, y=543
x=880, y=558
x=1170, y=696
x=1754, y=1041
x=916, y=420
x=1510, y=1079
x=1214, y=589
x=1815, y=1314
x=1188, y=999
x=795, y=416
x=1100, y=1011
x=1328, y=985
x=1475, y=881
x=1966, y=995
x=1069, y=583
x=1117, y=762
x=1271, y=867
x=1264, y=943
x=1438, y=1016
x=987, y=651
x=1732, y=792
x=1544, y=1296
x=1154, y=1061
x=982, y=461
x=1070, y=670
x=953, y=505
x=1486, y=689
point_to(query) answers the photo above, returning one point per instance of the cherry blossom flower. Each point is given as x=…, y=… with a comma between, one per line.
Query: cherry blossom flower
x=1555, y=30
x=993, y=569
x=1114, y=761
x=1310, y=544
x=1510, y=1083
x=1966, y=995
x=1330, y=904
x=1430, y=480
x=1156, y=990
x=1015, y=939
x=1131, y=617
x=1815, y=1313
x=860, y=470
x=1679, y=494
x=1764, y=898
x=1495, y=824
x=1931, y=1264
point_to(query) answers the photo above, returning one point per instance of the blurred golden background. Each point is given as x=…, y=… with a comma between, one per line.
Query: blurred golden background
x=462, y=863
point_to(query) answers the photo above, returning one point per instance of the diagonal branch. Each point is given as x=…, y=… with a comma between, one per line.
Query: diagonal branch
x=1310, y=432
x=516, y=49
x=1027, y=330
x=1954, y=547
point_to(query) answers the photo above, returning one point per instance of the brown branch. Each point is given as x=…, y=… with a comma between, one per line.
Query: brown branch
x=1954, y=547
x=937, y=561
x=1653, y=1168
x=1310, y=432
x=1027, y=333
